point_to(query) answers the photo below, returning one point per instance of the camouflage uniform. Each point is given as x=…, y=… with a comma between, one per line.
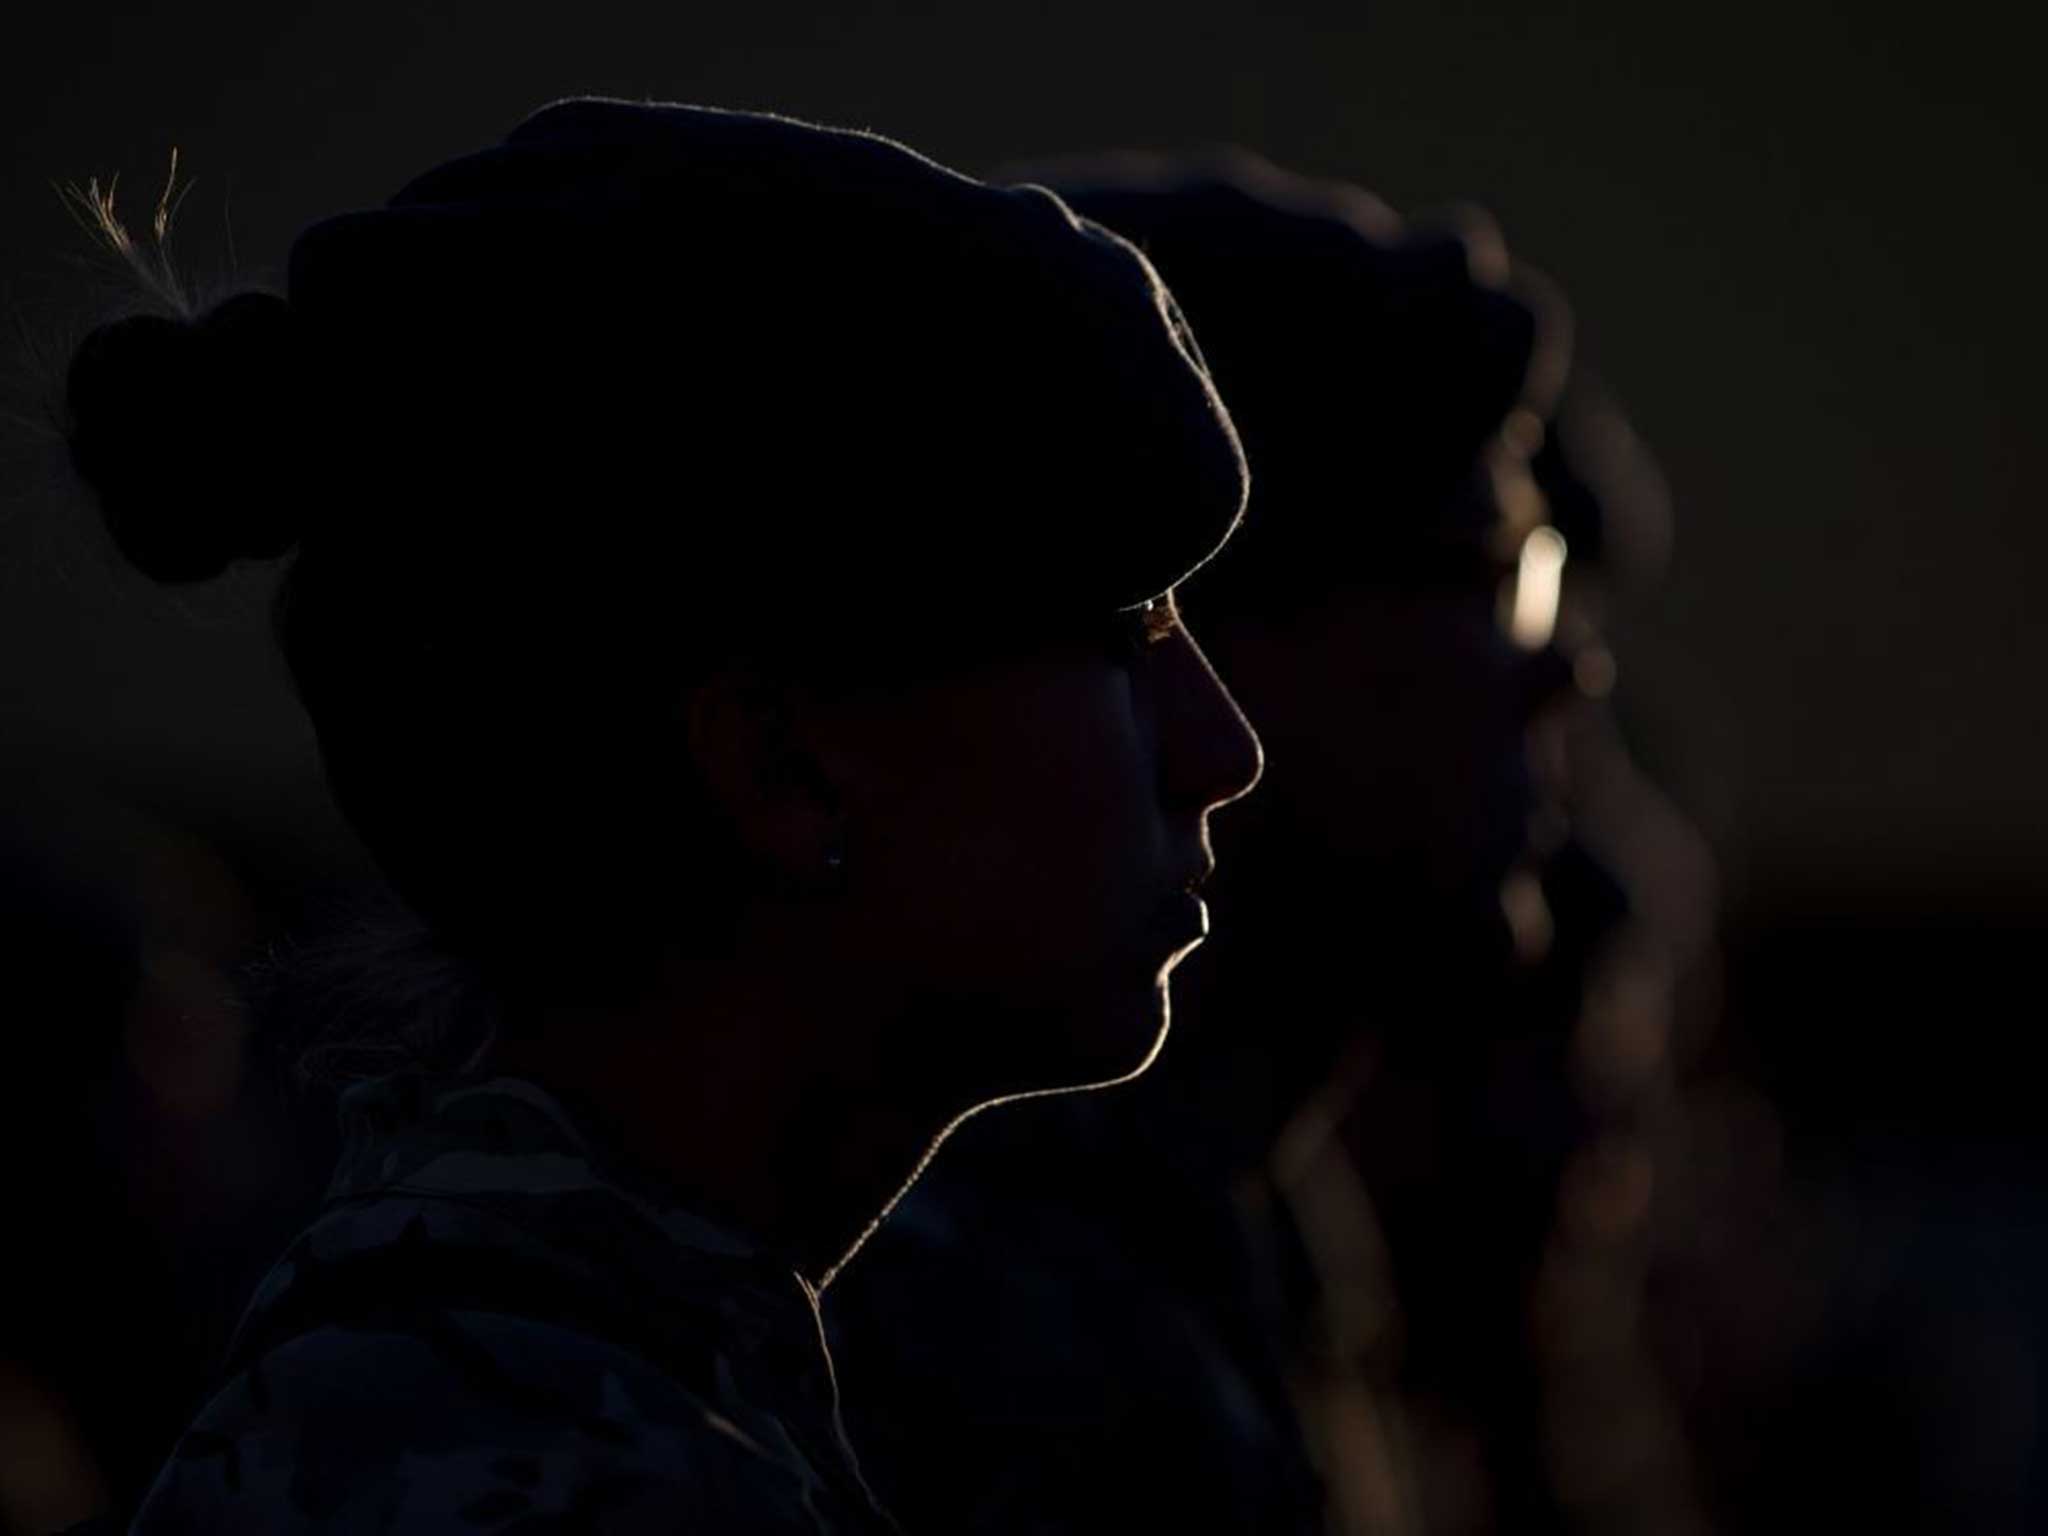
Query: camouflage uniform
x=1052, y=1334
x=483, y=1331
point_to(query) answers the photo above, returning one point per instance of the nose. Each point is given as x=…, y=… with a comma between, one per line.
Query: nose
x=1209, y=754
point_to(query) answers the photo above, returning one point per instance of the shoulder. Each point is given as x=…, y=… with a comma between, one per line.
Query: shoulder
x=468, y=1420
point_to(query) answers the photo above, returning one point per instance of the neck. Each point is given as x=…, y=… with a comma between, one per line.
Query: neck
x=752, y=1092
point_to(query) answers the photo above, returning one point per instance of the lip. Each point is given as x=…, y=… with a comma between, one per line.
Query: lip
x=1183, y=919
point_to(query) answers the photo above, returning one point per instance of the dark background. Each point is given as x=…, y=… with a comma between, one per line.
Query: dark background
x=1802, y=243
x=1799, y=239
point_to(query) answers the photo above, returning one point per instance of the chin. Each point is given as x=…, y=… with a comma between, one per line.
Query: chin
x=1095, y=1048
x=1126, y=1040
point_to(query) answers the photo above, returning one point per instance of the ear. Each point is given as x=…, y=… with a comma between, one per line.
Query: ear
x=754, y=742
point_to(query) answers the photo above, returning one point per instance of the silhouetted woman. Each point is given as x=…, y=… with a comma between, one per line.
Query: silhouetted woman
x=733, y=595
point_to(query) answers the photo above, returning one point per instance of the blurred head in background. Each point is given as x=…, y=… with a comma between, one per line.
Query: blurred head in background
x=1389, y=611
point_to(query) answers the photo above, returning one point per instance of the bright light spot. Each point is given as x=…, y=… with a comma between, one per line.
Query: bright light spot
x=1539, y=580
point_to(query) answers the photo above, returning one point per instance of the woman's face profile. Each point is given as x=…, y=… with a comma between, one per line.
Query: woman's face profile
x=1027, y=854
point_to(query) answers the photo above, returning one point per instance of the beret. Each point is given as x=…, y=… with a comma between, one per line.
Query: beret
x=774, y=363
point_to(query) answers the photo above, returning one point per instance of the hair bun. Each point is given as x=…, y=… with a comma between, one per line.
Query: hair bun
x=186, y=432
